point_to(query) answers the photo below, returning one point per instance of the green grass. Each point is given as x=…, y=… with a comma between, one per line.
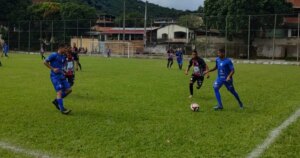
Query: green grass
x=138, y=108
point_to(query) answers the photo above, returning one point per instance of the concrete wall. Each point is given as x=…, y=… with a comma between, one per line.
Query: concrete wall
x=284, y=47
x=170, y=30
x=117, y=47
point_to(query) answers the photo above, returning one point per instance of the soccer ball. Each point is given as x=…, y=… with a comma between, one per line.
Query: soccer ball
x=195, y=107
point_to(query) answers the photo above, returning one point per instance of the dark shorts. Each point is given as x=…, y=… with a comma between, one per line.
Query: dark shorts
x=199, y=80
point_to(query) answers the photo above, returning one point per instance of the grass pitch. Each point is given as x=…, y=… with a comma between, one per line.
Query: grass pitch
x=139, y=108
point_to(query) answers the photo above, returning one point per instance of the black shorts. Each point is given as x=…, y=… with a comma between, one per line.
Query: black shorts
x=199, y=80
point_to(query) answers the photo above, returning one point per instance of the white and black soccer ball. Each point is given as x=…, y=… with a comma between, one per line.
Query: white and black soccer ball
x=195, y=107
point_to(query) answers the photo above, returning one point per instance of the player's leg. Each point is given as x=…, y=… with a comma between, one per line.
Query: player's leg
x=200, y=80
x=79, y=64
x=181, y=64
x=60, y=94
x=231, y=89
x=171, y=63
x=217, y=85
x=191, y=86
x=0, y=63
x=67, y=88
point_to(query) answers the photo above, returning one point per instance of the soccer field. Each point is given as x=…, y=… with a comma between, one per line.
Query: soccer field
x=139, y=108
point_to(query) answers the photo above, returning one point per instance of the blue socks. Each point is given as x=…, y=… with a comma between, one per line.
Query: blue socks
x=218, y=96
x=60, y=104
x=234, y=93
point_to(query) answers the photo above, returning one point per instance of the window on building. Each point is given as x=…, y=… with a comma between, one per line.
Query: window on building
x=165, y=36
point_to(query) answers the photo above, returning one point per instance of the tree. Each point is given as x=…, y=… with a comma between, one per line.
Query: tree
x=12, y=10
x=77, y=11
x=190, y=21
x=45, y=11
x=236, y=12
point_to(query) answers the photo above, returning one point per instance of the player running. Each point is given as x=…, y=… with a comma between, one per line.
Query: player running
x=70, y=68
x=42, y=50
x=55, y=62
x=225, y=77
x=199, y=67
x=179, y=55
x=170, y=58
x=76, y=56
x=5, y=50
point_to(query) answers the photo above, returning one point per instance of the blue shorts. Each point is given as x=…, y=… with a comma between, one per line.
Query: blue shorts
x=219, y=83
x=180, y=61
x=60, y=83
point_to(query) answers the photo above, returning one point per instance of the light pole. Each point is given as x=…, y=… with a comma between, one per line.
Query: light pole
x=145, y=25
x=124, y=16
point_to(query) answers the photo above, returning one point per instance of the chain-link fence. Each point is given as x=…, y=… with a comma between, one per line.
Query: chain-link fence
x=242, y=36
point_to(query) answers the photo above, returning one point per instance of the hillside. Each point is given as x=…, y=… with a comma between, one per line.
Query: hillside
x=115, y=7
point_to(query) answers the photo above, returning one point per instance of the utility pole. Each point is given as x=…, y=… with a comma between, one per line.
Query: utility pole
x=124, y=16
x=145, y=24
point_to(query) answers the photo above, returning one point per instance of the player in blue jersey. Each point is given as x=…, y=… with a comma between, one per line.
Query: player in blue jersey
x=225, y=77
x=199, y=67
x=5, y=49
x=56, y=62
x=179, y=55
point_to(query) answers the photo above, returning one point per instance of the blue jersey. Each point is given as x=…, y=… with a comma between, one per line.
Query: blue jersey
x=57, y=61
x=5, y=48
x=179, y=55
x=225, y=66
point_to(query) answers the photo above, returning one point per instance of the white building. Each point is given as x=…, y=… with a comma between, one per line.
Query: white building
x=174, y=34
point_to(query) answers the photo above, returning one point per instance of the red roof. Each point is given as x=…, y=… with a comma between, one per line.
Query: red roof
x=136, y=32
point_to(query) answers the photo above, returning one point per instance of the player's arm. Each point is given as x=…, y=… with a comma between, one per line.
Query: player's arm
x=207, y=70
x=189, y=67
x=229, y=77
x=47, y=64
x=211, y=70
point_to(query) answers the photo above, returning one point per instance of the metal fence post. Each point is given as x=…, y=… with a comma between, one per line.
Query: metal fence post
x=8, y=40
x=249, y=36
x=29, y=36
x=298, y=37
x=64, y=31
x=226, y=35
x=52, y=38
x=206, y=33
x=77, y=32
x=274, y=34
x=19, y=37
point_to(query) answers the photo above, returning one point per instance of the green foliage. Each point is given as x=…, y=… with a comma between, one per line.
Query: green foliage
x=45, y=11
x=77, y=11
x=190, y=21
x=236, y=12
x=58, y=11
x=115, y=7
x=12, y=10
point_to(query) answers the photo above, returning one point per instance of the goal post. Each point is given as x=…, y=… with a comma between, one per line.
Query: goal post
x=117, y=48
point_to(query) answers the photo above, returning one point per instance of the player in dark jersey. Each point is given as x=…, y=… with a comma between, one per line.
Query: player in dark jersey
x=170, y=58
x=225, y=77
x=55, y=62
x=70, y=68
x=76, y=56
x=199, y=67
x=42, y=50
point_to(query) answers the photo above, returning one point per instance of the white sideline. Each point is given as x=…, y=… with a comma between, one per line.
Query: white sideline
x=15, y=149
x=260, y=149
